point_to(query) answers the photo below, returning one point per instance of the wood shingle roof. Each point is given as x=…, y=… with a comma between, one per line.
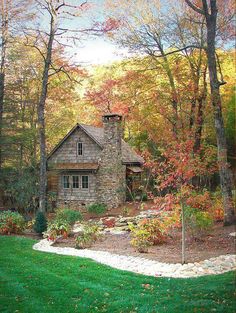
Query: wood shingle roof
x=129, y=156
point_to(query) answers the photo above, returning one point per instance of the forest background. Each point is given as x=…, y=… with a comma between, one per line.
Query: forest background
x=162, y=88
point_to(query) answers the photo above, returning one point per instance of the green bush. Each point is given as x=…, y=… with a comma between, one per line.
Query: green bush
x=97, y=208
x=126, y=211
x=88, y=236
x=144, y=197
x=140, y=238
x=57, y=228
x=40, y=224
x=17, y=183
x=11, y=223
x=198, y=223
x=68, y=215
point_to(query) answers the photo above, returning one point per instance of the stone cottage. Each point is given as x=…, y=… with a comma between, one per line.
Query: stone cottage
x=93, y=165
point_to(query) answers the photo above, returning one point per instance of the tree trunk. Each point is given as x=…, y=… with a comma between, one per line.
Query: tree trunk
x=2, y=78
x=200, y=115
x=183, y=237
x=41, y=117
x=224, y=170
x=4, y=37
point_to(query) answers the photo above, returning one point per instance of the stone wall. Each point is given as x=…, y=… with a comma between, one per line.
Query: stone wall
x=111, y=184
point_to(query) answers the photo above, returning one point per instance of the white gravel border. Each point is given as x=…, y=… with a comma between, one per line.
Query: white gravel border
x=217, y=265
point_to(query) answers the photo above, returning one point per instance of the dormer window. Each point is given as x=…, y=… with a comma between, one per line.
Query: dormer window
x=79, y=148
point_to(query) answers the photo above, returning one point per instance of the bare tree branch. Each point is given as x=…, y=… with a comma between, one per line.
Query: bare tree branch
x=194, y=7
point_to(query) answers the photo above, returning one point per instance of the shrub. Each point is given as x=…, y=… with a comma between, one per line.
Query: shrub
x=97, y=208
x=40, y=224
x=217, y=210
x=30, y=224
x=140, y=238
x=68, y=215
x=15, y=185
x=199, y=200
x=198, y=223
x=126, y=211
x=11, y=223
x=144, y=197
x=90, y=234
x=109, y=222
x=57, y=228
x=156, y=229
x=152, y=231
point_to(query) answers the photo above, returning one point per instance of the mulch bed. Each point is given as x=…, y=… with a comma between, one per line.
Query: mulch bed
x=217, y=243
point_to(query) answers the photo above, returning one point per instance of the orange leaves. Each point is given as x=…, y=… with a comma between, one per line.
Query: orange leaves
x=178, y=164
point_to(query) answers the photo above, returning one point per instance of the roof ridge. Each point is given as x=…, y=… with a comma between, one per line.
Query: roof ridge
x=90, y=125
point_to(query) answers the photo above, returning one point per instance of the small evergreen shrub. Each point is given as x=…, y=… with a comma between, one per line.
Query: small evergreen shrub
x=69, y=216
x=11, y=223
x=97, y=208
x=40, y=224
x=144, y=197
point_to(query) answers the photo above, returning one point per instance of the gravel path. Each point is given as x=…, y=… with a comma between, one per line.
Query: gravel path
x=217, y=265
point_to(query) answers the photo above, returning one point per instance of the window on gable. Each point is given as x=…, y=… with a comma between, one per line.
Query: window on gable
x=75, y=181
x=79, y=148
x=85, y=182
x=66, y=181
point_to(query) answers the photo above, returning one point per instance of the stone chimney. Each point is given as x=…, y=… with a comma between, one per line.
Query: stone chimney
x=112, y=173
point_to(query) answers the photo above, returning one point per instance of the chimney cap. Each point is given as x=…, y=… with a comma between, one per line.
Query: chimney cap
x=112, y=117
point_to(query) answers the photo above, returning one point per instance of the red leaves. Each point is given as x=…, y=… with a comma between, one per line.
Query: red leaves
x=178, y=164
x=111, y=24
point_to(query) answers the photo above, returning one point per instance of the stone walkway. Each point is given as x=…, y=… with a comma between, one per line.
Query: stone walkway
x=218, y=265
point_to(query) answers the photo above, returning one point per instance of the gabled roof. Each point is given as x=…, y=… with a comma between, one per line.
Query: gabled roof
x=129, y=156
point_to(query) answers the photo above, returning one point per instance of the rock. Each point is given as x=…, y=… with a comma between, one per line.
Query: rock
x=141, y=265
x=117, y=231
x=232, y=234
x=118, y=224
x=128, y=219
x=78, y=228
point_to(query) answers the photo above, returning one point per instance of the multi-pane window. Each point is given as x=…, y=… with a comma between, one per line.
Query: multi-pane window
x=85, y=182
x=66, y=181
x=75, y=181
x=79, y=148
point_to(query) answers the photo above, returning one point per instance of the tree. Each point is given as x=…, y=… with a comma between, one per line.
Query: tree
x=56, y=10
x=177, y=166
x=11, y=17
x=209, y=10
x=4, y=39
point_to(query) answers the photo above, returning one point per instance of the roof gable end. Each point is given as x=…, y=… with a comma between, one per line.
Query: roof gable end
x=77, y=126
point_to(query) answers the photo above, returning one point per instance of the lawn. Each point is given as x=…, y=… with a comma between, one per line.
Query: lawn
x=32, y=281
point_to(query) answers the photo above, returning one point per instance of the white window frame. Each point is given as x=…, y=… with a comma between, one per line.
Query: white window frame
x=84, y=188
x=82, y=148
x=78, y=177
x=63, y=181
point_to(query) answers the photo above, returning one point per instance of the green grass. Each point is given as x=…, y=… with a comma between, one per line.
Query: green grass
x=32, y=281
